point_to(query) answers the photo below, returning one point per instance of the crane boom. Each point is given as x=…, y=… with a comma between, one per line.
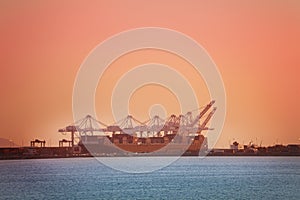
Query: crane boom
x=207, y=107
x=202, y=126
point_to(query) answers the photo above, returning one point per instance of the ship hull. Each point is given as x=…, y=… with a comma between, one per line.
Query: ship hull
x=103, y=147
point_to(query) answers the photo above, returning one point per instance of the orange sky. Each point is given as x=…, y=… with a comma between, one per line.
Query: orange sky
x=255, y=45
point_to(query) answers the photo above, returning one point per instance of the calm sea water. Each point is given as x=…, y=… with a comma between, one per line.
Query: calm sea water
x=188, y=178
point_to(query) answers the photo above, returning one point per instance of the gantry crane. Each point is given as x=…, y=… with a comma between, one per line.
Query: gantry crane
x=129, y=125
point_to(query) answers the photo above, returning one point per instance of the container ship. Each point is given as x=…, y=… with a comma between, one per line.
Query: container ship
x=176, y=135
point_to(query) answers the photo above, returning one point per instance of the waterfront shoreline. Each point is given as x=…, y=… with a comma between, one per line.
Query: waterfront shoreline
x=21, y=153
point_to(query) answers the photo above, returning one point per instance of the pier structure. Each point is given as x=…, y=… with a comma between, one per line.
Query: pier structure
x=37, y=141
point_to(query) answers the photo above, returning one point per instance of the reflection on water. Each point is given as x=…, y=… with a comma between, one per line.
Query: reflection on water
x=187, y=178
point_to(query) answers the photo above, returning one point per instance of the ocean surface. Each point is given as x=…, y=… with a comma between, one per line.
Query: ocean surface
x=187, y=178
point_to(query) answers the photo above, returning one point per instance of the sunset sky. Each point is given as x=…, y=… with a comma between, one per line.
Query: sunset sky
x=255, y=44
